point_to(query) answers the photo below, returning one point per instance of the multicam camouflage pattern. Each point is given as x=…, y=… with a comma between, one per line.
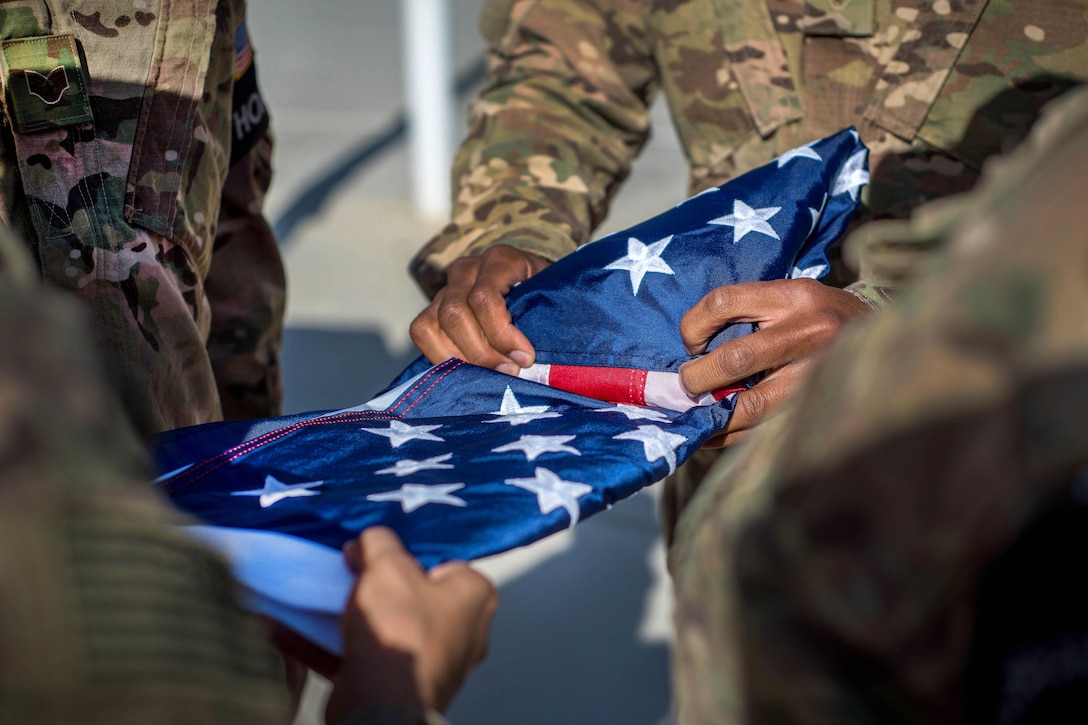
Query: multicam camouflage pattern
x=934, y=86
x=838, y=17
x=246, y=290
x=111, y=614
x=829, y=568
x=123, y=212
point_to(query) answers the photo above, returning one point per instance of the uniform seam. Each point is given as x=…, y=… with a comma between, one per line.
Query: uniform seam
x=145, y=114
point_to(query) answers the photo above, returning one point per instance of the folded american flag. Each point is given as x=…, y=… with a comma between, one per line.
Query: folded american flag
x=464, y=462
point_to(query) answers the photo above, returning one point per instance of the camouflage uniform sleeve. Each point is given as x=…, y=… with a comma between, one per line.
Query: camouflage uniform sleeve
x=881, y=292
x=827, y=570
x=247, y=293
x=551, y=135
x=111, y=615
x=120, y=206
x=888, y=255
x=246, y=284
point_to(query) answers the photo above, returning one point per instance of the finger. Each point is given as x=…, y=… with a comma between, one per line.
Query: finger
x=379, y=543
x=427, y=334
x=445, y=569
x=461, y=578
x=736, y=360
x=458, y=321
x=353, y=555
x=475, y=596
x=724, y=440
x=754, y=404
x=472, y=590
x=743, y=302
x=499, y=273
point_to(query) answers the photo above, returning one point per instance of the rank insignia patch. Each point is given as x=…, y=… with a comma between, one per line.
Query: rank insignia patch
x=44, y=84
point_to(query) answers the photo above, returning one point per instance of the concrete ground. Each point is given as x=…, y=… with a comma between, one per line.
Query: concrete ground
x=583, y=627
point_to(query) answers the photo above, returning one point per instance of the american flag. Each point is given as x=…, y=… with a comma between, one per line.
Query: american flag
x=464, y=462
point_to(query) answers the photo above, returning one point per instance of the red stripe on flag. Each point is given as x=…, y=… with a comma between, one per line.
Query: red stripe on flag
x=722, y=393
x=612, y=385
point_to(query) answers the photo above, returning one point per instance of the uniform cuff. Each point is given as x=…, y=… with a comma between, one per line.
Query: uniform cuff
x=876, y=295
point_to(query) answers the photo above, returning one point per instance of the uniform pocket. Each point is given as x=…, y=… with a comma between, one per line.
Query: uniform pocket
x=88, y=175
x=181, y=140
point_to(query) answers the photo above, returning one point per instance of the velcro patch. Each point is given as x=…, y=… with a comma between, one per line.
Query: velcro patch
x=44, y=82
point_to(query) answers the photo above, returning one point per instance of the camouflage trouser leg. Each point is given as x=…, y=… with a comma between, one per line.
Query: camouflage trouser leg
x=247, y=289
x=681, y=485
x=149, y=315
x=182, y=350
x=827, y=570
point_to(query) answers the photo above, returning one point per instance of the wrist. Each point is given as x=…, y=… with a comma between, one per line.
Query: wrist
x=390, y=688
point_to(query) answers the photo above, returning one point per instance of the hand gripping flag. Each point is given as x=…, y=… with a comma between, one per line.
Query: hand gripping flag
x=464, y=462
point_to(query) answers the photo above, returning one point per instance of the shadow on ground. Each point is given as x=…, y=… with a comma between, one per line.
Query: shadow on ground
x=327, y=369
x=564, y=645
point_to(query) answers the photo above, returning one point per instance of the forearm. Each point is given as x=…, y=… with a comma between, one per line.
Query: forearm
x=551, y=136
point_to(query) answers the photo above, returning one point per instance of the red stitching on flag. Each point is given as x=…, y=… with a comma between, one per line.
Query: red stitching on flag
x=243, y=449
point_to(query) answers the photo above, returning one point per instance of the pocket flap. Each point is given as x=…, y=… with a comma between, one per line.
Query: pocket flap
x=759, y=63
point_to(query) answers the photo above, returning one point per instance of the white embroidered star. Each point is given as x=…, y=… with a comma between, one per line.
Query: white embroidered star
x=533, y=446
x=635, y=412
x=813, y=272
x=852, y=176
x=656, y=443
x=745, y=220
x=802, y=152
x=553, y=492
x=411, y=496
x=275, y=491
x=514, y=413
x=642, y=259
x=406, y=467
x=400, y=433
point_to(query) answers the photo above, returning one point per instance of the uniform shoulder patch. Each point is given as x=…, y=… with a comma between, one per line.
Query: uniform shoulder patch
x=248, y=112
